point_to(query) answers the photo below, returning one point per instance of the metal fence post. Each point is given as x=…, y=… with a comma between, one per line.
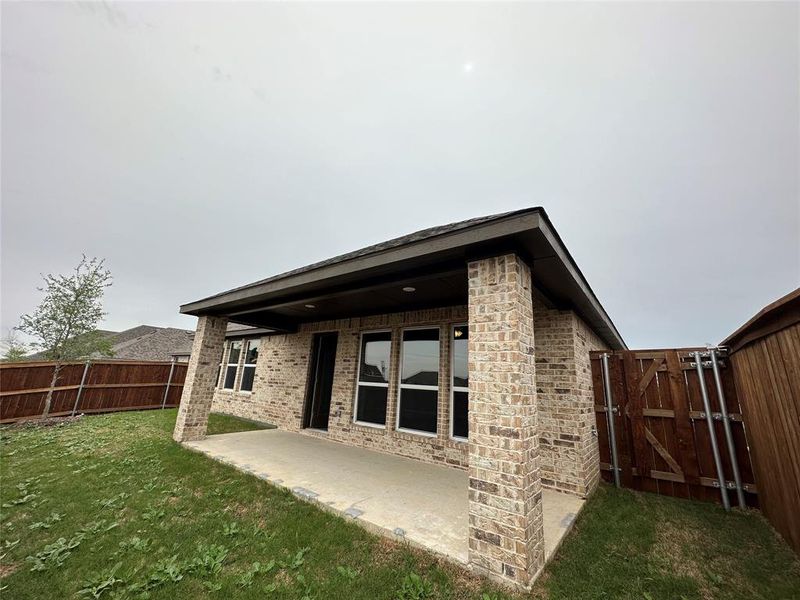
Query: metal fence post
x=726, y=422
x=169, y=381
x=723, y=488
x=610, y=419
x=80, y=388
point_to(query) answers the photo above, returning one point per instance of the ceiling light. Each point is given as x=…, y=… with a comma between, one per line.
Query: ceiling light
x=409, y=289
x=310, y=305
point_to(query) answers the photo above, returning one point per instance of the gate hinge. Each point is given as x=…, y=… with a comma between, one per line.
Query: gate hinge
x=731, y=485
x=717, y=416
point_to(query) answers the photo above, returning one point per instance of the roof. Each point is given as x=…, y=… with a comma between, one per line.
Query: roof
x=369, y=279
x=145, y=342
x=417, y=236
x=154, y=343
x=782, y=313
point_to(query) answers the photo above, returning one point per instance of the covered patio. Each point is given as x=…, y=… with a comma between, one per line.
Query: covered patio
x=401, y=498
x=464, y=347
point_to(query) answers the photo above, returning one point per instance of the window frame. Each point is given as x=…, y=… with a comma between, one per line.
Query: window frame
x=222, y=359
x=412, y=386
x=453, y=389
x=371, y=383
x=229, y=364
x=247, y=365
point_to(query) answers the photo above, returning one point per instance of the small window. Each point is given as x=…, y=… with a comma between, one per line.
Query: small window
x=419, y=382
x=373, y=378
x=249, y=367
x=234, y=352
x=459, y=413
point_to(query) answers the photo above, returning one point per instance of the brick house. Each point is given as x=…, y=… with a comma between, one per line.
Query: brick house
x=466, y=345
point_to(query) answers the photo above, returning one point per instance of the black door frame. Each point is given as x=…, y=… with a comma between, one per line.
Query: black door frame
x=321, y=371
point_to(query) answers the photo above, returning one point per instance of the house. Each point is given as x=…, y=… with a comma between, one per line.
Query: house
x=464, y=345
x=146, y=343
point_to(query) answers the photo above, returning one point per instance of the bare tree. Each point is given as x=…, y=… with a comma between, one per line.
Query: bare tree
x=64, y=324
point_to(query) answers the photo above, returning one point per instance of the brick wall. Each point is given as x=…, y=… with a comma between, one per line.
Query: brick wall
x=568, y=446
x=279, y=389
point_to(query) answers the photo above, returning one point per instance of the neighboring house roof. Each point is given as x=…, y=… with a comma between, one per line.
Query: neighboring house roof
x=423, y=378
x=145, y=342
x=235, y=330
x=782, y=313
x=433, y=261
x=158, y=343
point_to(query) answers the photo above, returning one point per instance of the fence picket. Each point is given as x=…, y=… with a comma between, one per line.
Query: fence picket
x=112, y=385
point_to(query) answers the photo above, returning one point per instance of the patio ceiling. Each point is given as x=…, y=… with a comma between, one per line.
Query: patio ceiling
x=433, y=262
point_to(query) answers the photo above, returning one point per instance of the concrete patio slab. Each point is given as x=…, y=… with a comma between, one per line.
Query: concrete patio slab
x=421, y=503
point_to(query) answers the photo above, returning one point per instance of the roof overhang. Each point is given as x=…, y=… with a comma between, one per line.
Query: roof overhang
x=435, y=265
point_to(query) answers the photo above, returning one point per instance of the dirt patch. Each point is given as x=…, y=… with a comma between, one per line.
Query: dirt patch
x=673, y=550
x=283, y=578
x=384, y=551
x=670, y=546
x=7, y=569
x=49, y=422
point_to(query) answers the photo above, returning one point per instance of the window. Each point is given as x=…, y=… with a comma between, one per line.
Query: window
x=459, y=421
x=373, y=378
x=249, y=368
x=234, y=352
x=419, y=381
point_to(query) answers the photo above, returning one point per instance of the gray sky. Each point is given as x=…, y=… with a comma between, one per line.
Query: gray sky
x=202, y=146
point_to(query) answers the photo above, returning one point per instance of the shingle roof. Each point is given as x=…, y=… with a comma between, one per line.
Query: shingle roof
x=145, y=342
x=417, y=236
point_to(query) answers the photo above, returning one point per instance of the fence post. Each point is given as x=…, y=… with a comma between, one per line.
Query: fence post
x=169, y=381
x=80, y=388
x=610, y=411
x=726, y=422
x=712, y=435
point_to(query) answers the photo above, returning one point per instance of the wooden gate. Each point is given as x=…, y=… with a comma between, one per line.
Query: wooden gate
x=663, y=440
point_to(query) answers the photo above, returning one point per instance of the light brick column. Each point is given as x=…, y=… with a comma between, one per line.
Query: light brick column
x=198, y=389
x=506, y=537
x=568, y=452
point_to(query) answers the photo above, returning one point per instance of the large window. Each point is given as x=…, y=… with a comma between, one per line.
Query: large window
x=419, y=381
x=234, y=352
x=459, y=422
x=373, y=378
x=249, y=368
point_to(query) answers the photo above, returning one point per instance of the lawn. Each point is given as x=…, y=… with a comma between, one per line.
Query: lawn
x=111, y=507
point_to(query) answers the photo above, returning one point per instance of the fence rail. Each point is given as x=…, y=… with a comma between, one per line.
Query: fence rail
x=102, y=386
x=664, y=443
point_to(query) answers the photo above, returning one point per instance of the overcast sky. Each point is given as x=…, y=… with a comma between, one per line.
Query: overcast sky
x=199, y=147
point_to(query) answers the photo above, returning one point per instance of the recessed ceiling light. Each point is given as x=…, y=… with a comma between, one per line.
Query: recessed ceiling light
x=310, y=305
x=409, y=289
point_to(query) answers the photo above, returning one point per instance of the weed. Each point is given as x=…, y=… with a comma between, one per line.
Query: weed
x=100, y=583
x=414, y=588
x=48, y=522
x=347, y=572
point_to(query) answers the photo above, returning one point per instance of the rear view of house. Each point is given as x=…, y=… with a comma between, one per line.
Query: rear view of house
x=465, y=345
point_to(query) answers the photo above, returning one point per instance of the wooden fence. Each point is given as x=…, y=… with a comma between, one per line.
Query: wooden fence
x=663, y=441
x=108, y=386
x=765, y=355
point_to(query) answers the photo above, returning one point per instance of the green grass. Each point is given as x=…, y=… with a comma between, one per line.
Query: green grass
x=111, y=507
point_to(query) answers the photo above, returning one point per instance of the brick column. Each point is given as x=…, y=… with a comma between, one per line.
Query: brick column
x=198, y=389
x=506, y=538
x=568, y=453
